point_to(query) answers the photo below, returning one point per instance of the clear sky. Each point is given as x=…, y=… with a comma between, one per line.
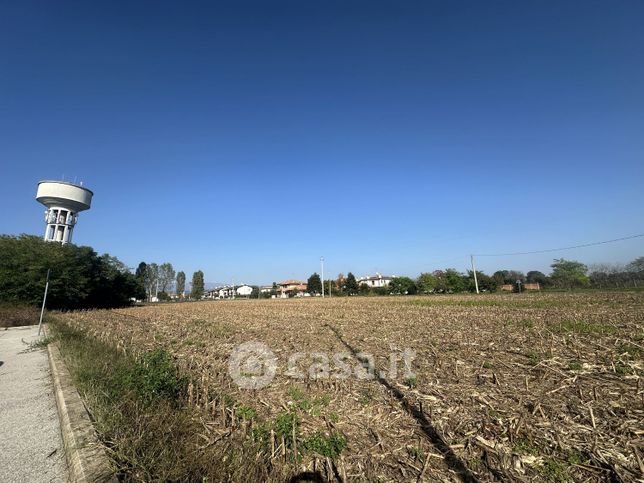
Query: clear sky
x=247, y=139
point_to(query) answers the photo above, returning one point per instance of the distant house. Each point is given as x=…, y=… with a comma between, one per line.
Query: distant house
x=244, y=290
x=508, y=287
x=290, y=288
x=375, y=281
x=221, y=292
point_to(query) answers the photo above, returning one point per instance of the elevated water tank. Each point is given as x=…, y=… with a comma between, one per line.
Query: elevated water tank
x=64, y=201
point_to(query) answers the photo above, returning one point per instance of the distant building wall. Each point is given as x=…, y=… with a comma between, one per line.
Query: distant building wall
x=508, y=287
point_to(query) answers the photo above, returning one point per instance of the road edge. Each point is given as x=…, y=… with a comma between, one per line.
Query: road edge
x=87, y=460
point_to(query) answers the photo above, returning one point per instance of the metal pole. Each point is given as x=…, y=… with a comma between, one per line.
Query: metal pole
x=476, y=282
x=322, y=265
x=44, y=299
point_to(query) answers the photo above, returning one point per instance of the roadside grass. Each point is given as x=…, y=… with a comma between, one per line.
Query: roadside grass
x=41, y=343
x=139, y=411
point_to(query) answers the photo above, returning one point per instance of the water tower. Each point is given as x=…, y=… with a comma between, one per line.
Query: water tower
x=63, y=201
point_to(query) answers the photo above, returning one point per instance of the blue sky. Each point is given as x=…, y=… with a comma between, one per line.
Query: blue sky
x=247, y=139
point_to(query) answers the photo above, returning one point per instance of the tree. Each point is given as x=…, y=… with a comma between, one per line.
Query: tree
x=402, y=286
x=340, y=283
x=427, y=283
x=616, y=275
x=455, y=281
x=441, y=286
x=535, y=276
x=636, y=266
x=166, y=276
x=79, y=278
x=569, y=273
x=196, y=292
x=514, y=275
x=151, y=279
x=485, y=282
x=501, y=277
x=181, y=284
x=314, y=284
x=330, y=287
x=351, y=284
x=140, y=281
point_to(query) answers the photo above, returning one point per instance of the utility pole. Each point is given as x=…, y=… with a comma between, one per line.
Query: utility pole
x=44, y=299
x=476, y=282
x=322, y=270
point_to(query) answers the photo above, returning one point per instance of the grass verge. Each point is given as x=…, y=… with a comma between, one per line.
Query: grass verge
x=141, y=413
x=139, y=410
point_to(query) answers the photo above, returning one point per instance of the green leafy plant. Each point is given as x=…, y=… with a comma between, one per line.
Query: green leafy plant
x=325, y=445
x=411, y=382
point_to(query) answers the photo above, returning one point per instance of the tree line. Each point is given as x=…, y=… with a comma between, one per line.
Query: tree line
x=158, y=280
x=79, y=277
x=565, y=274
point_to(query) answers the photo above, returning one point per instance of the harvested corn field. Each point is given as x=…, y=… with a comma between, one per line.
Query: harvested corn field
x=531, y=387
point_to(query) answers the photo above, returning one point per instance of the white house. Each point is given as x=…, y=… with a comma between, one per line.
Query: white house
x=244, y=290
x=376, y=281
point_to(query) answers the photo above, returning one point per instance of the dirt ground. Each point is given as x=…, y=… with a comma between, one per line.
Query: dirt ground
x=530, y=387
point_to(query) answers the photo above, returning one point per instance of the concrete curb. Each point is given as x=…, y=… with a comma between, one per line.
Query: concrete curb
x=86, y=458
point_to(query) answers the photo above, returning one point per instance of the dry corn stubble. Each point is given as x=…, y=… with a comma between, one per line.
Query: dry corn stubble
x=544, y=387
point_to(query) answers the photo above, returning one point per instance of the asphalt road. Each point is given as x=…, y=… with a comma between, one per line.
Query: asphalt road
x=31, y=447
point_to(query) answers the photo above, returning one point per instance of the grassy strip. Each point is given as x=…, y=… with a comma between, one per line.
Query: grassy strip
x=510, y=302
x=139, y=411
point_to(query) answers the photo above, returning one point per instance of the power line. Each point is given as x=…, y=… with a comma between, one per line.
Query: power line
x=559, y=249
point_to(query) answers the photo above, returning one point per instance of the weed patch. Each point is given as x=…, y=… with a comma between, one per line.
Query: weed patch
x=411, y=382
x=325, y=445
x=41, y=343
x=582, y=327
x=554, y=471
x=533, y=358
x=154, y=377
